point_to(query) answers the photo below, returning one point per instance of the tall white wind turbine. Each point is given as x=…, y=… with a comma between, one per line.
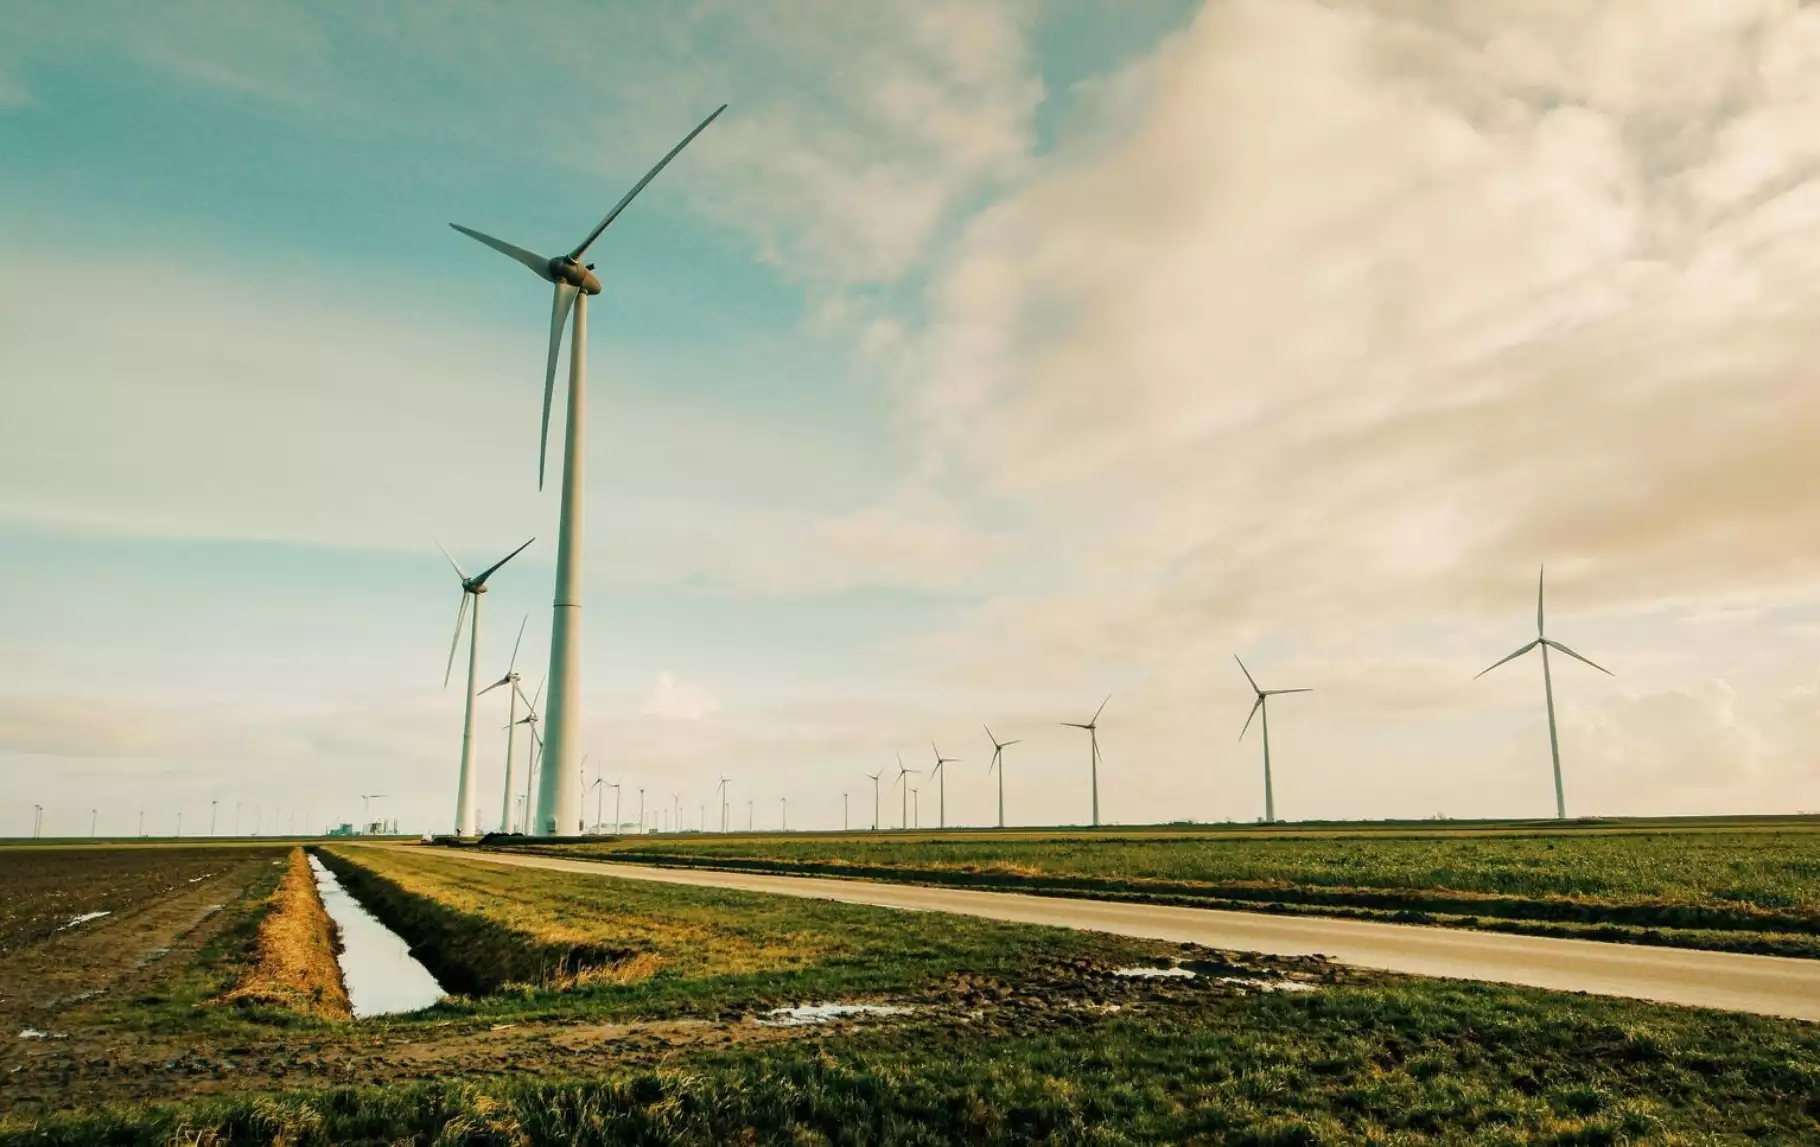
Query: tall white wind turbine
x=1548, y=690
x=512, y=694
x=940, y=773
x=1093, y=733
x=873, y=777
x=471, y=587
x=998, y=762
x=902, y=772
x=1262, y=705
x=559, y=796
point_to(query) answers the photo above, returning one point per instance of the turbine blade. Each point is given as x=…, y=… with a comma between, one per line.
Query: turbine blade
x=1101, y=709
x=461, y=615
x=1247, y=673
x=1553, y=644
x=480, y=578
x=531, y=259
x=1074, y=725
x=513, y=664
x=1541, y=571
x=640, y=185
x=1008, y=744
x=1511, y=657
x=539, y=693
x=502, y=681
x=458, y=570
x=1255, y=706
x=1274, y=692
x=559, y=314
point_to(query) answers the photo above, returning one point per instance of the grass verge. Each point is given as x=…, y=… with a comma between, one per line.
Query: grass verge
x=486, y=930
x=1756, y=892
x=294, y=966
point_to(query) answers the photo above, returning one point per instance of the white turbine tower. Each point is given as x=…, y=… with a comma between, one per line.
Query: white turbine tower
x=1270, y=802
x=471, y=587
x=1093, y=734
x=559, y=795
x=512, y=694
x=940, y=773
x=873, y=777
x=1548, y=690
x=902, y=772
x=530, y=719
x=998, y=762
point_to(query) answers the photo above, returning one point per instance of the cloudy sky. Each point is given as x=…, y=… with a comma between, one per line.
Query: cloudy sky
x=981, y=361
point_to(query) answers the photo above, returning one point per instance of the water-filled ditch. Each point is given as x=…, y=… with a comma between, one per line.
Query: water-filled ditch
x=381, y=975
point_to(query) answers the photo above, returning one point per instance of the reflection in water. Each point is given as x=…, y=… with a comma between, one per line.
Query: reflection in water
x=381, y=975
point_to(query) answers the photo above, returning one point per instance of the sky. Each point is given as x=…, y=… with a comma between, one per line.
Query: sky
x=982, y=361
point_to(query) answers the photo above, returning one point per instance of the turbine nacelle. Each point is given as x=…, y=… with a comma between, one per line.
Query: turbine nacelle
x=573, y=273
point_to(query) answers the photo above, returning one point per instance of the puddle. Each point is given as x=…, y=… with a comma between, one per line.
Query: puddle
x=381, y=975
x=1154, y=973
x=822, y=1013
x=84, y=919
x=1269, y=985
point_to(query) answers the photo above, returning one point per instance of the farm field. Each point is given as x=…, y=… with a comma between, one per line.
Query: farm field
x=596, y=1010
x=1748, y=886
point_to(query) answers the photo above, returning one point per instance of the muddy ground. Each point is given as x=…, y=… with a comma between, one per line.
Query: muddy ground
x=93, y=1061
x=48, y=887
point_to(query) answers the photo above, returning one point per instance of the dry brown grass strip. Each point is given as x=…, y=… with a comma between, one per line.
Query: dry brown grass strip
x=295, y=966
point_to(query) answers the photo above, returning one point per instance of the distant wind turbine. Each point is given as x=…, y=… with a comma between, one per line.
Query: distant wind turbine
x=873, y=777
x=573, y=281
x=471, y=587
x=902, y=772
x=1548, y=690
x=941, y=776
x=1270, y=803
x=510, y=680
x=998, y=762
x=1093, y=734
x=530, y=719
x=720, y=792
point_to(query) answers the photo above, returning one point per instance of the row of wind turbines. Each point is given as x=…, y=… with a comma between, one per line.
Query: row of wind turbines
x=551, y=799
x=1260, y=711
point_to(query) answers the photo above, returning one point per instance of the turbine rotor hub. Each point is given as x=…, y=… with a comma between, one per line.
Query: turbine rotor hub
x=576, y=274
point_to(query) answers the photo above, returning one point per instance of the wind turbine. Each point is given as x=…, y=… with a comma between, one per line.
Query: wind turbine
x=873, y=777
x=510, y=680
x=1548, y=690
x=574, y=282
x=1093, y=735
x=471, y=587
x=1270, y=803
x=720, y=794
x=366, y=804
x=904, y=813
x=530, y=718
x=941, y=776
x=998, y=762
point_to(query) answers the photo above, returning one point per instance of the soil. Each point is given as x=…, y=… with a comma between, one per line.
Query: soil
x=47, y=887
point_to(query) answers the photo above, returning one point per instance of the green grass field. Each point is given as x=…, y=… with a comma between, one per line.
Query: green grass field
x=610, y=1011
x=1749, y=886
